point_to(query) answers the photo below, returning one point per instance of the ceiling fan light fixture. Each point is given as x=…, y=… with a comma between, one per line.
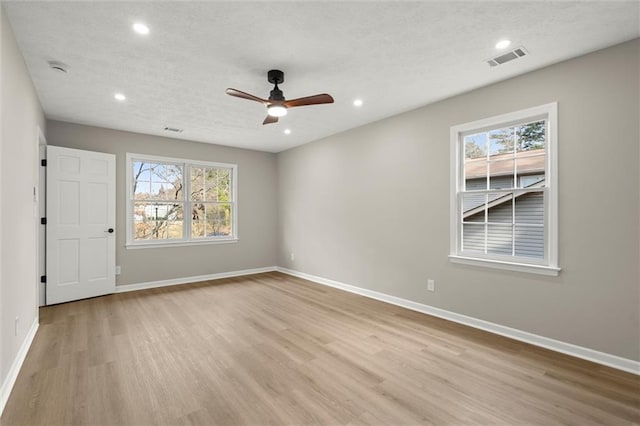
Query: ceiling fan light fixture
x=277, y=111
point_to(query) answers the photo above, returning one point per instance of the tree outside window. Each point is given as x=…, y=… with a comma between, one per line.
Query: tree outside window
x=179, y=200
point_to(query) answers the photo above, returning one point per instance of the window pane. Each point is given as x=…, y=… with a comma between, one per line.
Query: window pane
x=197, y=184
x=474, y=206
x=531, y=137
x=157, y=181
x=198, y=220
x=531, y=181
x=529, y=241
x=211, y=220
x=220, y=186
x=531, y=170
x=475, y=146
x=475, y=163
x=530, y=208
x=501, y=210
x=501, y=141
x=501, y=174
x=499, y=239
x=475, y=172
x=156, y=221
x=473, y=238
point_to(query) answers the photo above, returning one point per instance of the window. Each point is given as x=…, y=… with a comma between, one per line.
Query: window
x=503, y=191
x=173, y=201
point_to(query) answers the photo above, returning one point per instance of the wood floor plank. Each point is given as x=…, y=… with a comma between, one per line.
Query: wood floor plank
x=270, y=349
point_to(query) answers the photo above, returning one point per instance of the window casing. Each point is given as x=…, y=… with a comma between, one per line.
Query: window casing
x=504, y=191
x=173, y=201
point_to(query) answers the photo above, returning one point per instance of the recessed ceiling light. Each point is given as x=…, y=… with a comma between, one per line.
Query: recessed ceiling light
x=357, y=102
x=287, y=131
x=140, y=28
x=503, y=44
x=120, y=97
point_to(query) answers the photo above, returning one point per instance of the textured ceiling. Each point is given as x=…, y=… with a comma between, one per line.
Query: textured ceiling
x=394, y=55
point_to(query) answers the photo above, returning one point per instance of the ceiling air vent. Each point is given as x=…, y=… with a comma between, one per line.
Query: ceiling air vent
x=516, y=53
x=173, y=129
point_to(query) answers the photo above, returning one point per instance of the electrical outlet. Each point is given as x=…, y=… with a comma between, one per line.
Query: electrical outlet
x=292, y=256
x=16, y=326
x=118, y=270
x=431, y=285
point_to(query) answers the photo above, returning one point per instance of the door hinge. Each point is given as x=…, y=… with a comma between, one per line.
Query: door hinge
x=43, y=278
x=43, y=220
x=43, y=162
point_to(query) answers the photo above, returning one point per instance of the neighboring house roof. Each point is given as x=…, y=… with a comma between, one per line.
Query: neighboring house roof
x=479, y=207
x=528, y=162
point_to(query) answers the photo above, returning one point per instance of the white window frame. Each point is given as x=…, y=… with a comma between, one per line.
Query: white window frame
x=187, y=240
x=546, y=266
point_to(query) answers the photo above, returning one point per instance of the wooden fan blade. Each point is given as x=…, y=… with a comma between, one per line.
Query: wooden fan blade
x=270, y=119
x=243, y=95
x=309, y=100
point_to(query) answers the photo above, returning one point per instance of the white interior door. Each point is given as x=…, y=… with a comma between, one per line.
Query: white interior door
x=80, y=224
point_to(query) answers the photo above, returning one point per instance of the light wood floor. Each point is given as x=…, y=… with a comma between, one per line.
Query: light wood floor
x=270, y=349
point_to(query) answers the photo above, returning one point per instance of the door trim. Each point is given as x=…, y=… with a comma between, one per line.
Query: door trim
x=40, y=207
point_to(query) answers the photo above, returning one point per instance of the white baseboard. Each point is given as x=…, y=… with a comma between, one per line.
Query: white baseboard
x=534, y=339
x=7, y=386
x=194, y=279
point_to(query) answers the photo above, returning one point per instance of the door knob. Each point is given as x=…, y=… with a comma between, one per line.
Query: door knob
x=110, y=230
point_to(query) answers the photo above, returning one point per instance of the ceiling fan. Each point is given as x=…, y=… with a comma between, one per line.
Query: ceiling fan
x=277, y=105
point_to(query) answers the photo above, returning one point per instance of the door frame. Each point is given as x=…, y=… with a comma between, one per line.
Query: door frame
x=40, y=201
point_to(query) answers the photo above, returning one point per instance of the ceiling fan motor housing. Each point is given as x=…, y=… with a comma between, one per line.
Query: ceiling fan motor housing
x=276, y=95
x=275, y=77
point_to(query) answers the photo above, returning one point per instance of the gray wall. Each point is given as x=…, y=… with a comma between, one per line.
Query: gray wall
x=370, y=207
x=257, y=204
x=21, y=115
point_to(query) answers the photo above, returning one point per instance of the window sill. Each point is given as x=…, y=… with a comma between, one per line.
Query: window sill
x=509, y=266
x=179, y=244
